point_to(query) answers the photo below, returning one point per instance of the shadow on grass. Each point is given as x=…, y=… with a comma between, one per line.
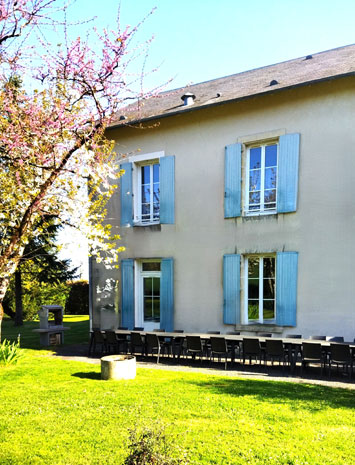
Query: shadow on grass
x=310, y=396
x=88, y=375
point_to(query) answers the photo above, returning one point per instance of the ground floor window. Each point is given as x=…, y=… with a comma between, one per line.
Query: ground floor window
x=260, y=288
x=148, y=294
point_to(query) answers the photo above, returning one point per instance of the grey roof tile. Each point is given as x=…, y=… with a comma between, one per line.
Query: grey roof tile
x=321, y=66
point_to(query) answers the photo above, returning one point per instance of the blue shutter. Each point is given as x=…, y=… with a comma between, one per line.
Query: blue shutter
x=286, y=288
x=167, y=190
x=126, y=195
x=167, y=294
x=231, y=289
x=232, y=180
x=287, y=178
x=127, y=295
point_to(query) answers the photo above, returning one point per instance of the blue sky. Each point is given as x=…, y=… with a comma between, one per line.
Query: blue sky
x=199, y=40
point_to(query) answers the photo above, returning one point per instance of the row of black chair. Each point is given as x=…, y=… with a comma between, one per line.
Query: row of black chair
x=251, y=348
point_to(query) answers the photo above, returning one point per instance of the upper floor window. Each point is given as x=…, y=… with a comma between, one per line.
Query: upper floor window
x=148, y=190
x=261, y=179
x=148, y=202
x=265, y=181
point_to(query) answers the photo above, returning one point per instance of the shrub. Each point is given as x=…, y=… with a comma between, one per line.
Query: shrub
x=10, y=352
x=152, y=446
x=78, y=300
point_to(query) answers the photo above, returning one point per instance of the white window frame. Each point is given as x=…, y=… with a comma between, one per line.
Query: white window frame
x=137, y=162
x=139, y=304
x=261, y=320
x=262, y=211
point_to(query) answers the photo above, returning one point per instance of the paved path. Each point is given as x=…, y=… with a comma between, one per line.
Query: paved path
x=78, y=353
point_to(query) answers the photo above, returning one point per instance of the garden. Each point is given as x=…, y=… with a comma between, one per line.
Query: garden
x=60, y=412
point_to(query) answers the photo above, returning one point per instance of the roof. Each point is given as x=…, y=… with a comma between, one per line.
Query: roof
x=314, y=68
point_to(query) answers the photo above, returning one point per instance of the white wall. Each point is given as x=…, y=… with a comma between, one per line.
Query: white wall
x=322, y=230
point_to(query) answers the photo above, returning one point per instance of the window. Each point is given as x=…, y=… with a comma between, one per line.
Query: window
x=260, y=289
x=270, y=289
x=269, y=179
x=261, y=179
x=147, y=293
x=148, y=190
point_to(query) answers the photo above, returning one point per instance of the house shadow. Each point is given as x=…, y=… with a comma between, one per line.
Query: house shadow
x=314, y=396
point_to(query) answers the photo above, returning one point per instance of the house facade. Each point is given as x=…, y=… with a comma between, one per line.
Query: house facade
x=236, y=209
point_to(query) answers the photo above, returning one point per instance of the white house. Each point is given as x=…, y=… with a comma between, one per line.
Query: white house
x=237, y=206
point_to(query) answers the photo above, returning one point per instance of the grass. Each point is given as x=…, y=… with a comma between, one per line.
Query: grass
x=78, y=333
x=60, y=413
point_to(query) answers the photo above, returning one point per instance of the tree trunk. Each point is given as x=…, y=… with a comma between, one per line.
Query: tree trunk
x=18, y=297
x=4, y=284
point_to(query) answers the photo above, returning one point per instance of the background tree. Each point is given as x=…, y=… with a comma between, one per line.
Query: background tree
x=53, y=137
x=38, y=266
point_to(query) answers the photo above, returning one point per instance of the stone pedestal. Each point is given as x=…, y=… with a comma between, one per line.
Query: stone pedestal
x=118, y=367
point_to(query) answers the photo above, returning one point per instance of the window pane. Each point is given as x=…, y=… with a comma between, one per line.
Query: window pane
x=145, y=194
x=253, y=309
x=253, y=288
x=148, y=286
x=146, y=174
x=254, y=200
x=156, y=309
x=255, y=158
x=269, y=267
x=156, y=192
x=269, y=288
x=253, y=267
x=148, y=311
x=270, y=155
x=270, y=178
x=145, y=210
x=151, y=266
x=156, y=287
x=156, y=210
x=254, y=180
x=156, y=173
x=270, y=200
x=268, y=309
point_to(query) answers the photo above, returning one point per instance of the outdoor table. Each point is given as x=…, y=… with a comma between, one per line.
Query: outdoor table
x=294, y=345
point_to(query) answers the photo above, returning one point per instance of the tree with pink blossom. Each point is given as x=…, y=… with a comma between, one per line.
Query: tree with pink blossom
x=55, y=159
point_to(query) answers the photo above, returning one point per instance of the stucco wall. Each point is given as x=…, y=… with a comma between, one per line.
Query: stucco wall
x=322, y=229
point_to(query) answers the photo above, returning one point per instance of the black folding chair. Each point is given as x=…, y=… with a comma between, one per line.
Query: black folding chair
x=194, y=347
x=312, y=353
x=98, y=338
x=153, y=344
x=340, y=355
x=274, y=350
x=219, y=349
x=251, y=349
x=137, y=343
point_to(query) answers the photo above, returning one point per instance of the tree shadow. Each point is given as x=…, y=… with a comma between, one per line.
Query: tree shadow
x=88, y=375
x=313, y=397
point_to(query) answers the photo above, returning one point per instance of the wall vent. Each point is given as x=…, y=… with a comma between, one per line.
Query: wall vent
x=188, y=98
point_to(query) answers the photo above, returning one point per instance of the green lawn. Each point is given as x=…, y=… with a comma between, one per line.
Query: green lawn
x=78, y=333
x=60, y=412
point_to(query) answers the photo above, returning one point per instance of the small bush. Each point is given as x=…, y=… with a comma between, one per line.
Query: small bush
x=152, y=447
x=78, y=299
x=10, y=352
